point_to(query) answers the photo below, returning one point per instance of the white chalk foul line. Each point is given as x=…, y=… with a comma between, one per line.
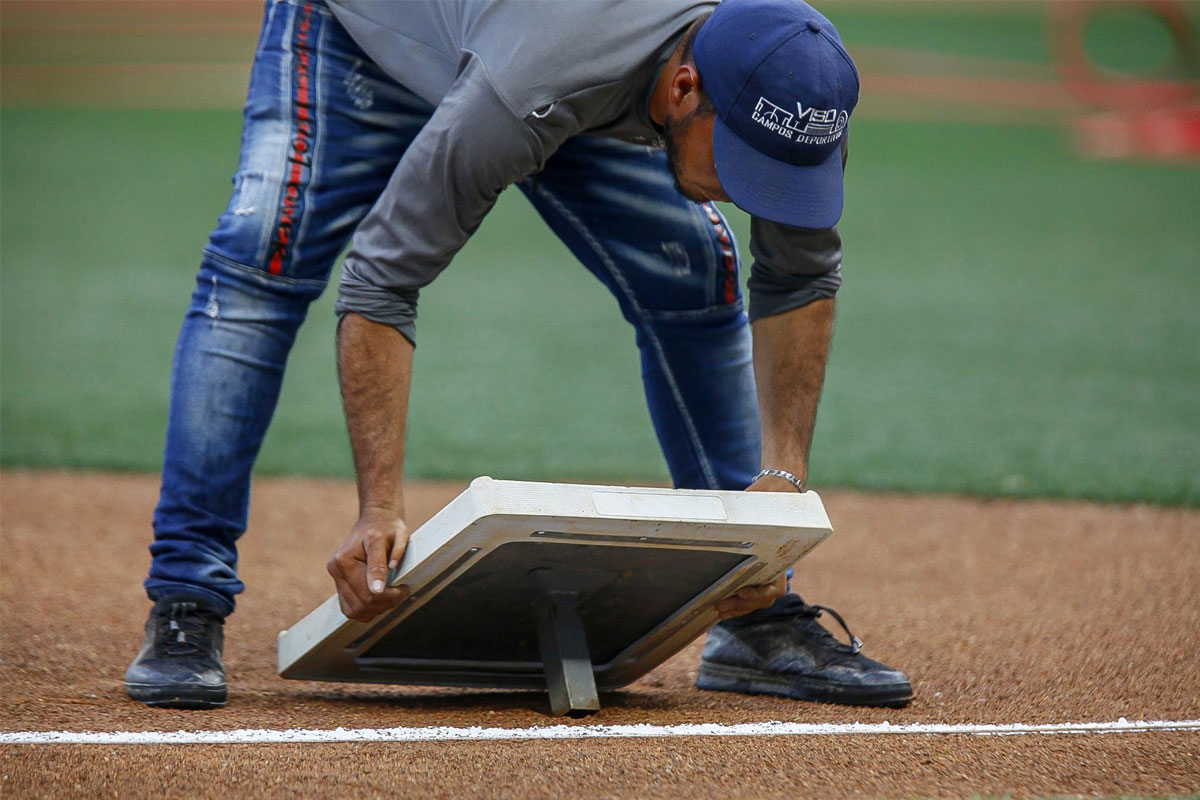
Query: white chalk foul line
x=448, y=734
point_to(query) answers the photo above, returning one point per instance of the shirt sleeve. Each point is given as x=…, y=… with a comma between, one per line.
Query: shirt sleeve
x=792, y=267
x=470, y=150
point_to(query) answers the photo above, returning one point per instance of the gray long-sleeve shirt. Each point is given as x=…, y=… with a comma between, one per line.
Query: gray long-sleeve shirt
x=511, y=81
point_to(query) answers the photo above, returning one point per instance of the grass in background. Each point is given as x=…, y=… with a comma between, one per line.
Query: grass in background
x=1005, y=30
x=1126, y=38
x=1014, y=321
x=524, y=367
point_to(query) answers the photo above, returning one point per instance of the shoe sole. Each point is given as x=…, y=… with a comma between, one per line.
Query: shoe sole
x=722, y=678
x=177, y=696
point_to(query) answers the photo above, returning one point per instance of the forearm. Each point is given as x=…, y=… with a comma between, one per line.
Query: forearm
x=375, y=372
x=790, y=353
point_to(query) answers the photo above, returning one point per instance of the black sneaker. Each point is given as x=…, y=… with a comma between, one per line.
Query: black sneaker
x=784, y=650
x=179, y=665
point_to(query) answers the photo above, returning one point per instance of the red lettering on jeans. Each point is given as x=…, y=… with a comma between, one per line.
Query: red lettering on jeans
x=301, y=142
x=729, y=282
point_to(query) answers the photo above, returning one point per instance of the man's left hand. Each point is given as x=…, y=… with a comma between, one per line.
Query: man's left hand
x=751, y=598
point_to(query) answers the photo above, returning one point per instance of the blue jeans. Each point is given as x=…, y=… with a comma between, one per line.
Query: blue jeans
x=324, y=129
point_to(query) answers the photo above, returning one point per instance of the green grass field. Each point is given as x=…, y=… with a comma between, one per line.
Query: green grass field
x=1015, y=321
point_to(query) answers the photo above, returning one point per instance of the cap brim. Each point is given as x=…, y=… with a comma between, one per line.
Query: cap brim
x=808, y=196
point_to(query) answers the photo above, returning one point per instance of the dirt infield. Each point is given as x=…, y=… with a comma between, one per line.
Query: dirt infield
x=1035, y=612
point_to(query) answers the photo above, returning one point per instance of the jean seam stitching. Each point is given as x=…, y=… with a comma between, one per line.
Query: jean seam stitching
x=696, y=313
x=610, y=266
x=262, y=273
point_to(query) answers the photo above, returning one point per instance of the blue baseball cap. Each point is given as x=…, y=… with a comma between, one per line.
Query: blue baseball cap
x=783, y=87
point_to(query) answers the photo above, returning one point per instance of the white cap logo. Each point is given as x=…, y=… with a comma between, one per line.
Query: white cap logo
x=805, y=126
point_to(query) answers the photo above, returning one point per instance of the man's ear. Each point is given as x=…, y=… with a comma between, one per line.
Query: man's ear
x=685, y=88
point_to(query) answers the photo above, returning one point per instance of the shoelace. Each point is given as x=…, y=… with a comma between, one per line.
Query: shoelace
x=814, y=611
x=185, y=630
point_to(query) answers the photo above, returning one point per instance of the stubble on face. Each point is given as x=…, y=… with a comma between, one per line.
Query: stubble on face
x=673, y=133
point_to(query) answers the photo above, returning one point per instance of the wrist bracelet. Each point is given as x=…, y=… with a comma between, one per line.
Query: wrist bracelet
x=778, y=473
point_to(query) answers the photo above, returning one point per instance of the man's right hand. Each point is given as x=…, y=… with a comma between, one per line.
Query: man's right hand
x=360, y=566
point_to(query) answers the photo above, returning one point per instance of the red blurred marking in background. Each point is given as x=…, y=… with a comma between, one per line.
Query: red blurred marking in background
x=1144, y=116
x=1171, y=133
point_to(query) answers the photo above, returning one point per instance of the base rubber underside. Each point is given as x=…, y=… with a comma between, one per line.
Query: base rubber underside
x=722, y=678
x=177, y=695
